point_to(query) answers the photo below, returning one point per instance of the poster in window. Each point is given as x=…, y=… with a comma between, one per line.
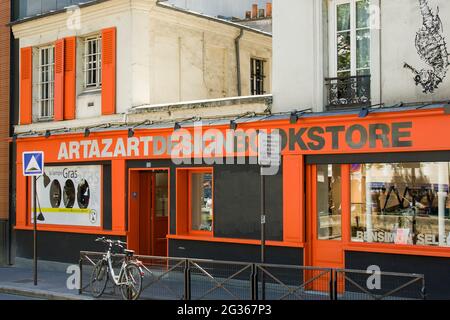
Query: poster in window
x=70, y=196
x=402, y=236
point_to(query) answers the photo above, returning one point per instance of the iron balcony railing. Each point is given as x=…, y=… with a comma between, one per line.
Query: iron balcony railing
x=348, y=92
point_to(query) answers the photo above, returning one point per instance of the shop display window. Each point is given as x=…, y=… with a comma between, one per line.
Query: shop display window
x=201, y=201
x=401, y=203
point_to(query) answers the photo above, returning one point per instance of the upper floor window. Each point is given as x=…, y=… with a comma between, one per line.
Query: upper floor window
x=257, y=76
x=349, y=84
x=46, y=82
x=93, y=62
x=352, y=29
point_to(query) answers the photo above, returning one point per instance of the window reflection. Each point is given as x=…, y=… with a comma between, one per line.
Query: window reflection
x=329, y=202
x=353, y=38
x=201, y=201
x=401, y=203
x=161, y=194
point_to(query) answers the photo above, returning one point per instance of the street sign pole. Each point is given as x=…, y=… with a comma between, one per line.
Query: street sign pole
x=33, y=165
x=269, y=158
x=34, y=232
x=263, y=219
x=263, y=230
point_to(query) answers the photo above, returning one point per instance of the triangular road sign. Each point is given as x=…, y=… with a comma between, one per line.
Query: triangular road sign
x=33, y=163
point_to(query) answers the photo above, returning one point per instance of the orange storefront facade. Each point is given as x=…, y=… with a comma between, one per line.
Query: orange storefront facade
x=350, y=192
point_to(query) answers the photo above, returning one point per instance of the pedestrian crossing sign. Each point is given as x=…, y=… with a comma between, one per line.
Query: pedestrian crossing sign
x=33, y=163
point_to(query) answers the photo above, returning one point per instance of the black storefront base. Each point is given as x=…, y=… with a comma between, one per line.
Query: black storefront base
x=4, y=242
x=57, y=246
x=234, y=252
x=435, y=269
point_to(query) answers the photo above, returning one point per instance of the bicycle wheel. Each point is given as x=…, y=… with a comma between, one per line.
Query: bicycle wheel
x=99, y=278
x=131, y=280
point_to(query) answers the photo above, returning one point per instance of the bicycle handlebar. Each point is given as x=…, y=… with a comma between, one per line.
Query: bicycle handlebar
x=111, y=242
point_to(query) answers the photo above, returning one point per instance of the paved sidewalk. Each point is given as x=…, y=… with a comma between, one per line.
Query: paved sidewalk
x=51, y=284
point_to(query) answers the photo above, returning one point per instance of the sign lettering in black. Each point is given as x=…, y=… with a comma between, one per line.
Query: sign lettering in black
x=357, y=136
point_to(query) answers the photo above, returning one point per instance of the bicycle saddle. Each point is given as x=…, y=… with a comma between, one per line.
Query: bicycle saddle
x=129, y=252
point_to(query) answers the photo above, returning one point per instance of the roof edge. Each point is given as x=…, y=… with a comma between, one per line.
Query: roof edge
x=158, y=3
x=55, y=12
x=214, y=19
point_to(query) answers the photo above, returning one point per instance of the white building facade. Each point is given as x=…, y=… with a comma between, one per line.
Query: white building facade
x=396, y=43
x=158, y=55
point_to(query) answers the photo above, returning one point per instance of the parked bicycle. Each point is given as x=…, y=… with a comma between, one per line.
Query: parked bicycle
x=130, y=275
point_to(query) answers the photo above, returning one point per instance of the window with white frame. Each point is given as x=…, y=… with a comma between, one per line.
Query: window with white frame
x=93, y=62
x=46, y=82
x=351, y=47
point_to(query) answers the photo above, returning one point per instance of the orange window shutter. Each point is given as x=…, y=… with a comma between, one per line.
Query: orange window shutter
x=109, y=71
x=69, y=78
x=26, y=87
x=59, y=80
x=21, y=197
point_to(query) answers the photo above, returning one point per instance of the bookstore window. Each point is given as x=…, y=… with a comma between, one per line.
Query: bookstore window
x=401, y=203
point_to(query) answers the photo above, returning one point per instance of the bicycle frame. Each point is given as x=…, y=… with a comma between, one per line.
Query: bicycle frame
x=123, y=278
x=115, y=278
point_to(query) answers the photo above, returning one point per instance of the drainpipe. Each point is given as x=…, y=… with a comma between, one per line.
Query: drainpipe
x=238, y=61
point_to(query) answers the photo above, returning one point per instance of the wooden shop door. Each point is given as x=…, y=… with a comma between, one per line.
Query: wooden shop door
x=326, y=205
x=148, y=212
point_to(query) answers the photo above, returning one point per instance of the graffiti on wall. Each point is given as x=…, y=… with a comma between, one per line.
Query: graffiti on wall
x=432, y=49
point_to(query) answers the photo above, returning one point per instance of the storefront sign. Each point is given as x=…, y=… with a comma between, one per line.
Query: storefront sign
x=71, y=195
x=217, y=143
x=269, y=153
x=357, y=136
x=401, y=236
x=431, y=239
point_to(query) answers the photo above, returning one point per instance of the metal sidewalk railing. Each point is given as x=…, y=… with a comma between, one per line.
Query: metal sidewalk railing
x=170, y=278
x=359, y=285
x=287, y=282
